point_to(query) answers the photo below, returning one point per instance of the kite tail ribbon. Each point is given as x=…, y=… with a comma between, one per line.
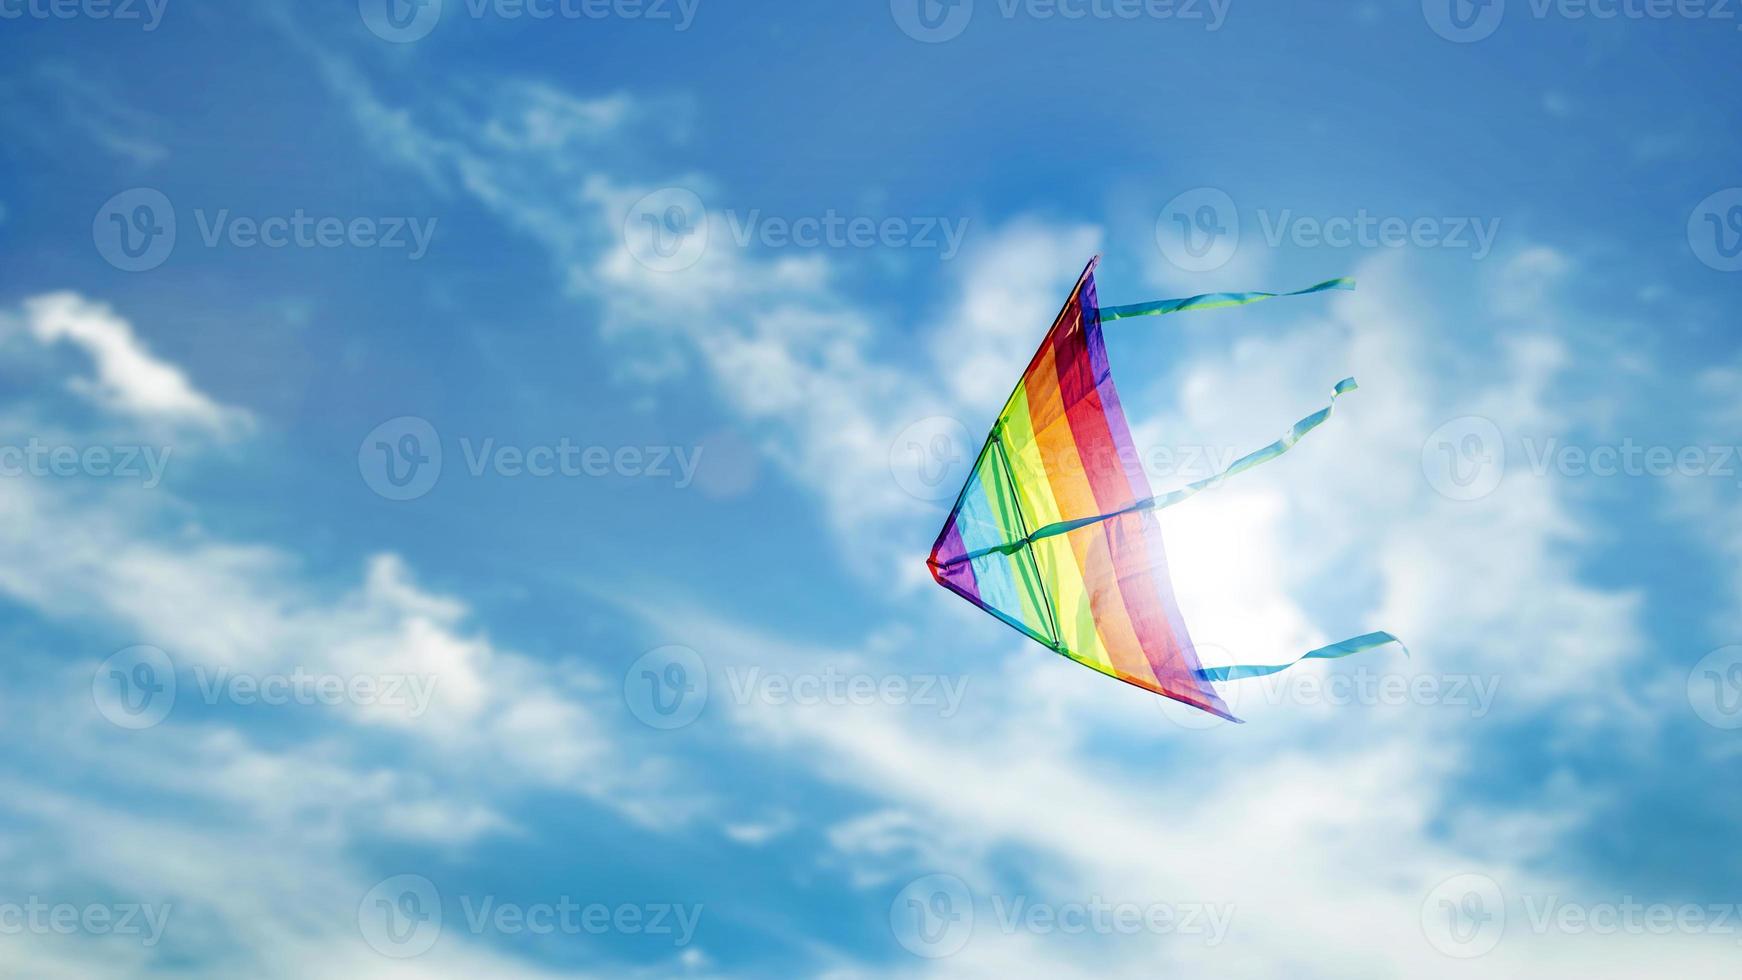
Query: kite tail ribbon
x=1335, y=651
x=1213, y=301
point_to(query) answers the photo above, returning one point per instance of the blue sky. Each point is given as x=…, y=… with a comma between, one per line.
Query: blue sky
x=290, y=697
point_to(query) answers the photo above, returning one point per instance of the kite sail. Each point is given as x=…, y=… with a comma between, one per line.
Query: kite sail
x=1055, y=532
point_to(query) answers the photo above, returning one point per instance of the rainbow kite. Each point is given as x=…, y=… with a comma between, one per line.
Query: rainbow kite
x=1055, y=531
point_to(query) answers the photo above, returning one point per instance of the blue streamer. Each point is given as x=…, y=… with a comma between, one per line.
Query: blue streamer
x=1335, y=651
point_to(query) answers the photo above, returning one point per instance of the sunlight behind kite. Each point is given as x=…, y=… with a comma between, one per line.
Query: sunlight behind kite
x=1055, y=532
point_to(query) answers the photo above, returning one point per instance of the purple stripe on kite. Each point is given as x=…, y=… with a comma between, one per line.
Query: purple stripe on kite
x=1092, y=332
x=1123, y=443
x=962, y=576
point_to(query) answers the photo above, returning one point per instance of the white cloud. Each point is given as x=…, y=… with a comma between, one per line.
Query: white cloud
x=128, y=379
